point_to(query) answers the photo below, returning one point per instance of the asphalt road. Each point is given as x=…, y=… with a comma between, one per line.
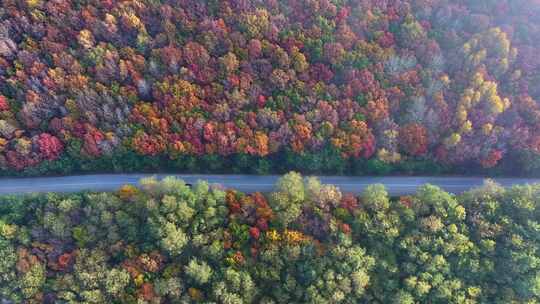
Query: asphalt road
x=245, y=183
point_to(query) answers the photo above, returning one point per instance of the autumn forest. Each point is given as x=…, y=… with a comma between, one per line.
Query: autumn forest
x=319, y=86
x=305, y=242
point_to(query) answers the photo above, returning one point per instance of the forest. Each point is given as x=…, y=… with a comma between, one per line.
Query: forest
x=268, y=86
x=305, y=242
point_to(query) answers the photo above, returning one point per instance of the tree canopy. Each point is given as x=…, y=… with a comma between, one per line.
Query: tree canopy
x=269, y=86
x=306, y=242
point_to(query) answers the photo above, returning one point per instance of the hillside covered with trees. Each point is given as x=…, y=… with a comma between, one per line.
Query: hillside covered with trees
x=303, y=243
x=336, y=86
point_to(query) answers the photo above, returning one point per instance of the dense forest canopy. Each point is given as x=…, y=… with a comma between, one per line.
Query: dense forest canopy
x=165, y=242
x=102, y=84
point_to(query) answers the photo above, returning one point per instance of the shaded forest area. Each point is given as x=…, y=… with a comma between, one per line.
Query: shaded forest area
x=341, y=86
x=165, y=242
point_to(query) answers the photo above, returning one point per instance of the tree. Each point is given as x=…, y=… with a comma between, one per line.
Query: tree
x=173, y=239
x=32, y=280
x=4, y=105
x=50, y=146
x=234, y=287
x=7, y=268
x=199, y=272
x=6, y=129
x=413, y=139
x=116, y=282
x=286, y=201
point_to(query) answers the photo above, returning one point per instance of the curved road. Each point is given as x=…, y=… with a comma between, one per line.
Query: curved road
x=246, y=183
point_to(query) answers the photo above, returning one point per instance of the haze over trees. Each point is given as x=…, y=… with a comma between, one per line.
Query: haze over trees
x=303, y=243
x=319, y=85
